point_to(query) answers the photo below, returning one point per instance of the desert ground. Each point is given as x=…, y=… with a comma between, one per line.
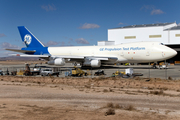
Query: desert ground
x=100, y=98
x=90, y=98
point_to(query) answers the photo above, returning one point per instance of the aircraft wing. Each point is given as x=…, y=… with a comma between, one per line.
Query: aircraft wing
x=68, y=57
x=60, y=56
x=101, y=57
x=86, y=57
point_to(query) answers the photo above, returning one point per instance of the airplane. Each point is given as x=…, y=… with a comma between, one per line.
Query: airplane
x=93, y=56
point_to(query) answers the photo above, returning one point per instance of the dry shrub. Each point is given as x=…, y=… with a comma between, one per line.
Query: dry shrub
x=136, y=78
x=170, y=78
x=158, y=79
x=117, y=106
x=178, y=90
x=53, y=86
x=110, y=90
x=110, y=105
x=164, y=88
x=113, y=78
x=87, y=86
x=110, y=112
x=81, y=89
x=167, y=111
x=157, y=92
x=129, y=107
x=105, y=90
x=150, y=88
x=125, y=107
x=139, y=91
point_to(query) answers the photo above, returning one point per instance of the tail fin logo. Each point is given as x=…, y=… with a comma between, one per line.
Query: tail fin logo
x=27, y=39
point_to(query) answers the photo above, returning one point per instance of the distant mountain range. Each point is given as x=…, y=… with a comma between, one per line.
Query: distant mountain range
x=18, y=58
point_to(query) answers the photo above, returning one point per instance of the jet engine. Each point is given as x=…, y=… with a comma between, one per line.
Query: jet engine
x=57, y=61
x=92, y=63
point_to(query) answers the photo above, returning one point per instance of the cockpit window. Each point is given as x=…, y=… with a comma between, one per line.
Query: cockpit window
x=161, y=44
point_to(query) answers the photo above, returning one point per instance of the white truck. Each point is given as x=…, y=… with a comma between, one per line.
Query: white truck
x=48, y=72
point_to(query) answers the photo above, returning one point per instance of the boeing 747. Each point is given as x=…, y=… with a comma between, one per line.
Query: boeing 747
x=94, y=56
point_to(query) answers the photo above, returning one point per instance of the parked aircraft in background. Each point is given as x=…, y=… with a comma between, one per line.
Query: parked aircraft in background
x=94, y=56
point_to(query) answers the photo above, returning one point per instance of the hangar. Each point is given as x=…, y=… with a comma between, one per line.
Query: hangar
x=166, y=33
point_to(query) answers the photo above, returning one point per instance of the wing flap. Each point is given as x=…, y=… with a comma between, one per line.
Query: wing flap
x=69, y=57
x=87, y=57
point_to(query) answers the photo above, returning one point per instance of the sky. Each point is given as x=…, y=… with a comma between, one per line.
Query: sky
x=77, y=22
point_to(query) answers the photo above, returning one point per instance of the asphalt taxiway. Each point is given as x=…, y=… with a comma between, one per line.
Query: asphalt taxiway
x=173, y=71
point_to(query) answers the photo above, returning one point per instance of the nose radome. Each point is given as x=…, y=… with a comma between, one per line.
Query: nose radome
x=172, y=52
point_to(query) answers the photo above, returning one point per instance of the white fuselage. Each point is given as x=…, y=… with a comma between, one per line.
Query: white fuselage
x=138, y=52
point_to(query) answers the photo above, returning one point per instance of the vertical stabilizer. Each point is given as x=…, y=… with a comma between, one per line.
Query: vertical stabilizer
x=28, y=38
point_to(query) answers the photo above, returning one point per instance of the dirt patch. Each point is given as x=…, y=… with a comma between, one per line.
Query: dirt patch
x=153, y=84
x=83, y=98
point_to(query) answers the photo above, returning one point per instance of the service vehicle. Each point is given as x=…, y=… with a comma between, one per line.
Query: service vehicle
x=78, y=72
x=99, y=72
x=48, y=72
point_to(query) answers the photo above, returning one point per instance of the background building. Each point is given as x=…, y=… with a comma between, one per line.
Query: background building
x=166, y=33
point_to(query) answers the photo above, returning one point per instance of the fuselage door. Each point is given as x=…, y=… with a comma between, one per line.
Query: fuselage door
x=121, y=53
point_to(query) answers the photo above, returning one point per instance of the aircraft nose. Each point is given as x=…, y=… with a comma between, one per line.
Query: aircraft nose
x=171, y=53
x=174, y=53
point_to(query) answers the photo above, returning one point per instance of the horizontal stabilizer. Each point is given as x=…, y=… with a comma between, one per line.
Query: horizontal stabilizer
x=22, y=51
x=40, y=56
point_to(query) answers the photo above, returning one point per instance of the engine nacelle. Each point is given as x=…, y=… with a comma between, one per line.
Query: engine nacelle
x=58, y=61
x=92, y=63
